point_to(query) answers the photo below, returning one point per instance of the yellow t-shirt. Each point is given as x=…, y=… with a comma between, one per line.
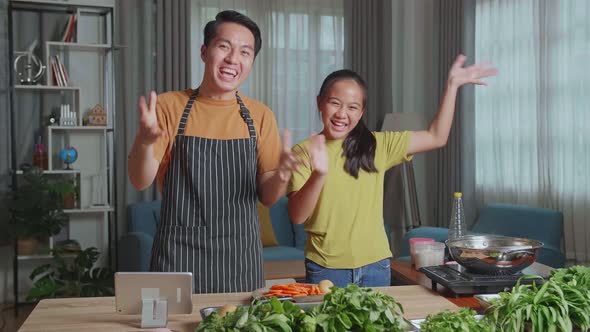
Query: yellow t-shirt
x=345, y=230
x=221, y=119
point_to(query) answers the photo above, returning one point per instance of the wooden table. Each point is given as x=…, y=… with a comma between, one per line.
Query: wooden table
x=284, y=270
x=98, y=314
x=403, y=273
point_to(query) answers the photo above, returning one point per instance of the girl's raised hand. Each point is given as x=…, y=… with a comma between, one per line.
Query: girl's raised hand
x=459, y=75
x=319, y=155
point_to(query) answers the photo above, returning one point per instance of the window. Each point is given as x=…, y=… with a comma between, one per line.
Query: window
x=303, y=41
x=532, y=121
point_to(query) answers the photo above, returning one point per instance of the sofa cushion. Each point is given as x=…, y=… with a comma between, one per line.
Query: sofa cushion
x=300, y=236
x=267, y=234
x=281, y=223
x=157, y=211
x=282, y=253
x=144, y=217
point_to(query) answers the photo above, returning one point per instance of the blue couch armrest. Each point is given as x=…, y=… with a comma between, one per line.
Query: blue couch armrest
x=135, y=249
x=551, y=256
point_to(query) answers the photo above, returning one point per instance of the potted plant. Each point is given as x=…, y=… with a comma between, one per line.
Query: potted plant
x=63, y=278
x=35, y=210
x=68, y=189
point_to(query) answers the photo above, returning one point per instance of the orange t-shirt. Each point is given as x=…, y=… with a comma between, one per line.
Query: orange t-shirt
x=220, y=119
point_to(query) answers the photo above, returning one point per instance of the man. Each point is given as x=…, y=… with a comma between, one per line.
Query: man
x=214, y=152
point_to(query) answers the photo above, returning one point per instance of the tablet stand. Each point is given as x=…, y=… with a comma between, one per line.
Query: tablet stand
x=154, y=310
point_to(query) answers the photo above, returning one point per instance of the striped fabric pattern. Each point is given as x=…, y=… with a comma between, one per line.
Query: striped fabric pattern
x=209, y=221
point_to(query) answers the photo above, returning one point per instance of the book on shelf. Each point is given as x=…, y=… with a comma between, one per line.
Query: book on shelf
x=70, y=29
x=60, y=74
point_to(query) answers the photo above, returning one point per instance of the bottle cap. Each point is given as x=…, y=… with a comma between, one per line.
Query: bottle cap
x=458, y=195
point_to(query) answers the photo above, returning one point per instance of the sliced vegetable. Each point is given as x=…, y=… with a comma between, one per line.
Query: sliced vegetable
x=294, y=290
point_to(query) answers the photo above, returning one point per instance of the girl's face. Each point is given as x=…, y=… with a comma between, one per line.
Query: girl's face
x=341, y=108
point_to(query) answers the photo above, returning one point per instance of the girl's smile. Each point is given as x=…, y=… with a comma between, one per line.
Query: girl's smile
x=341, y=108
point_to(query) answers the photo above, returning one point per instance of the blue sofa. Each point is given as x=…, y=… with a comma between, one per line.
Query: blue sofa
x=545, y=225
x=142, y=221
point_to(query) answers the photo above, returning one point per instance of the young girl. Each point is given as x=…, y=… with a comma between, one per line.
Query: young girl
x=337, y=190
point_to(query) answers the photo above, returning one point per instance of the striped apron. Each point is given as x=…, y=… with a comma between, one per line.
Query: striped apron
x=209, y=222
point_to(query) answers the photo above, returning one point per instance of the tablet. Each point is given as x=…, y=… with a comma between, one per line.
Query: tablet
x=131, y=288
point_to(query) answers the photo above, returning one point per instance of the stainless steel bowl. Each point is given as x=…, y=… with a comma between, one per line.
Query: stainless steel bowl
x=492, y=254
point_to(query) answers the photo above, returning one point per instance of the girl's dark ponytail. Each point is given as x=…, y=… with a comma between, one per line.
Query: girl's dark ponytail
x=359, y=146
x=359, y=150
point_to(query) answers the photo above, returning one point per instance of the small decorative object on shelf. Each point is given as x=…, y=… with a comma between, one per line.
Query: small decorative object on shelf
x=40, y=155
x=31, y=70
x=67, y=117
x=69, y=155
x=97, y=116
x=98, y=191
x=52, y=120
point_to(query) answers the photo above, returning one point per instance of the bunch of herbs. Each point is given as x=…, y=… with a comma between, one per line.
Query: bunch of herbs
x=553, y=306
x=358, y=309
x=344, y=309
x=463, y=320
x=258, y=317
x=577, y=275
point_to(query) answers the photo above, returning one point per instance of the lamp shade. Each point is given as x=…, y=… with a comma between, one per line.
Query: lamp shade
x=401, y=199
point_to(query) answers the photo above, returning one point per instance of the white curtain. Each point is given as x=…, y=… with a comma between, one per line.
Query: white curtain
x=532, y=122
x=302, y=42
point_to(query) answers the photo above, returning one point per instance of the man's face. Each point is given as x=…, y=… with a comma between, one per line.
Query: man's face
x=228, y=59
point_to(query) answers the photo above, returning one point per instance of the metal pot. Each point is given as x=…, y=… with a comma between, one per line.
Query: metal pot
x=493, y=254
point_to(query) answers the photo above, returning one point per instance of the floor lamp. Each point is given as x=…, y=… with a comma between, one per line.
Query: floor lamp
x=412, y=121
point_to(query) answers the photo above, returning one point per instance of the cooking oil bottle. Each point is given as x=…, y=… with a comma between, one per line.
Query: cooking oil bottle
x=457, y=225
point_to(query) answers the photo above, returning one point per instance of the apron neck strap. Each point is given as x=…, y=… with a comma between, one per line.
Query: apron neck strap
x=244, y=112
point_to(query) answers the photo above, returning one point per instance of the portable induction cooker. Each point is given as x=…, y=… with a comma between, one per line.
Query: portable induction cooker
x=461, y=281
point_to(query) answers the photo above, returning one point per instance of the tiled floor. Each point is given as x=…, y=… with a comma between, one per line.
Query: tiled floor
x=10, y=323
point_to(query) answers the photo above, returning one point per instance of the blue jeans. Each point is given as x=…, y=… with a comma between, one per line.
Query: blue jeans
x=377, y=274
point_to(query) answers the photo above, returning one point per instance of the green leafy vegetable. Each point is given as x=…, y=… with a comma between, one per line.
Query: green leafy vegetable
x=558, y=304
x=574, y=276
x=258, y=317
x=358, y=309
x=344, y=309
x=460, y=321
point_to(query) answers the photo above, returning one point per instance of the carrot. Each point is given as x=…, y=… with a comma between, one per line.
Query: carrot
x=294, y=290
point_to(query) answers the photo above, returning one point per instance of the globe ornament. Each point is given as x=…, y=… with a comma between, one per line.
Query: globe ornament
x=69, y=155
